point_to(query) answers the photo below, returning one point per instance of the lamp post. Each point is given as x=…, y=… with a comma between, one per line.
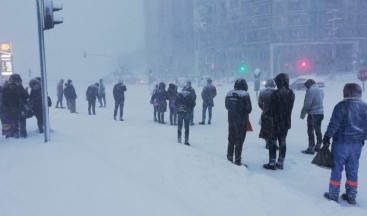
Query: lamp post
x=85, y=55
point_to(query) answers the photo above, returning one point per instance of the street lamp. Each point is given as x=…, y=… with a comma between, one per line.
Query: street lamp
x=115, y=73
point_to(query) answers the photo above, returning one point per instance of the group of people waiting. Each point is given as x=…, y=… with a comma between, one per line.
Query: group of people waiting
x=347, y=127
x=17, y=104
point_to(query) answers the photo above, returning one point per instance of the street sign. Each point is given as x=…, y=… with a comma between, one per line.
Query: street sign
x=362, y=74
x=6, y=59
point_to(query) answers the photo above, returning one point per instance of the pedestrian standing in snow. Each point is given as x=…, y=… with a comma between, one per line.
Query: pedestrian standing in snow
x=257, y=75
x=281, y=106
x=192, y=90
x=238, y=104
x=102, y=94
x=185, y=101
x=119, y=96
x=314, y=108
x=348, y=128
x=208, y=94
x=60, y=93
x=160, y=97
x=70, y=95
x=35, y=101
x=172, y=97
x=91, y=95
x=154, y=102
x=264, y=101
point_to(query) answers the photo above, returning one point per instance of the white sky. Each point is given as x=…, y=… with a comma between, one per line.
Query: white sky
x=110, y=27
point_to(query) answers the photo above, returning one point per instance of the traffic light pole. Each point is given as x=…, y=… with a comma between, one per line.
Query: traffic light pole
x=45, y=113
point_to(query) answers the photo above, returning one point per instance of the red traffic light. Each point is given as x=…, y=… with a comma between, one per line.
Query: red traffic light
x=304, y=65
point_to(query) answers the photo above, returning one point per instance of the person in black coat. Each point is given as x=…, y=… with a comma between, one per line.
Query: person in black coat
x=281, y=106
x=92, y=95
x=161, y=97
x=70, y=95
x=208, y=94
x=14, y=97
x=185, y=101
x=172, y=97
x=192, y=90
x=119, y=96
x=35, y=101
x=238, y=104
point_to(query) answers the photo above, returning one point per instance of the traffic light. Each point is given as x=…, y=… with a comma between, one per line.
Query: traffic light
x=304, y=65
x=49, y=20
x=243, y=68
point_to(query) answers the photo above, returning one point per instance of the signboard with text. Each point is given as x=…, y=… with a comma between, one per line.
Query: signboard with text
x=6, y=59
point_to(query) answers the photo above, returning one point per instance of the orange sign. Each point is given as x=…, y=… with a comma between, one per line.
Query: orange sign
x=5, y=47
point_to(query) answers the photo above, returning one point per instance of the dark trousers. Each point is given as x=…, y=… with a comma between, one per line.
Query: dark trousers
x=183, y=118
x=314, y=127
x=279, y=136
x=192, y=116
x=155, y=111
x=119, y=104
x=59, y=101
x=92, y=106
x=173, y=115
x=19, y=127
x=102, y=100
x=72, y=105
x=236, y=137
x=209, y=108
x=39, y=117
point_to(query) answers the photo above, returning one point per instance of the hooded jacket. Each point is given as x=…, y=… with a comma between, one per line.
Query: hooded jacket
x=281, y=103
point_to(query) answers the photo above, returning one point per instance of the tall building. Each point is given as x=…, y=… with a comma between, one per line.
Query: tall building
x=222, y=37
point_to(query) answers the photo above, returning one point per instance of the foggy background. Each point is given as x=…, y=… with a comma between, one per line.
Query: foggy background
x=111, y=27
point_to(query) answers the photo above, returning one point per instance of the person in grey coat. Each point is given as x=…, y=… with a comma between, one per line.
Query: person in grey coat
x=102, y=94
x=208, y=94
x=313, y=107
x=264, y=100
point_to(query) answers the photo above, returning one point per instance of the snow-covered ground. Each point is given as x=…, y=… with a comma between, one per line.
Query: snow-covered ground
x=94, y=165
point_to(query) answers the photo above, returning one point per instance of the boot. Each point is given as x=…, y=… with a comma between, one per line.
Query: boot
x=187, y=142
x=202, y=123
x=349, y=199
x=179, y=140
x=270, y=166
x=327, y=196
x=309, y=150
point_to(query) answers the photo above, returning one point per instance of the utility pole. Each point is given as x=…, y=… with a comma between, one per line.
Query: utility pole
x=333, y=38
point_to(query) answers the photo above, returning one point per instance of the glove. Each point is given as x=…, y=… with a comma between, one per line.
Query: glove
x=326, y=141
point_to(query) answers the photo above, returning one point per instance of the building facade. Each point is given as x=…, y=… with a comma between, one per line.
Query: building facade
x=294, y=36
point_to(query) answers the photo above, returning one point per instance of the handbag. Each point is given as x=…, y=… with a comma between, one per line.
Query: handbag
x=324, y=158
x=248, y=124
x=267, y=127
x=26, y=110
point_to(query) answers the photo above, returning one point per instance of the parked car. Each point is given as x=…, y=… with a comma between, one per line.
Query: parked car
x=299, y=82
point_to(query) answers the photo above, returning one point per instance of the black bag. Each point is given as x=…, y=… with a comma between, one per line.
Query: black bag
x=267, y=127
x=26, y=111
x=324, y=158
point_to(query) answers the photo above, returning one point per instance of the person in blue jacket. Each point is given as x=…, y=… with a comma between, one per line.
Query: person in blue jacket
x=348, y=129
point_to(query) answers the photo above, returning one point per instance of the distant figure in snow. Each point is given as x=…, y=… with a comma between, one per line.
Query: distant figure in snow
x=102, y=94
x=208, y=94
x=119, y=96
x=60, y=94
x=70, y=95
x=172, y=97
x=92, y=95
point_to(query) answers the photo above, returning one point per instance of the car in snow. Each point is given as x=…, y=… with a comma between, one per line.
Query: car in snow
x=299, y=82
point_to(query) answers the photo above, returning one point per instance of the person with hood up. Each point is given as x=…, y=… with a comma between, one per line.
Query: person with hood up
x=314, y=108
x=185, y=101
x=161, y=97
x=348, y=128
x=238, y=104
x=14, y=97
x=264, y=101
x=35, y=101
x=119, y=96
x=102, y=94
x=208, y=94
x=281, y=106
x=172, y=97
x=70, y=95
x=92, y=95
x=60, y=93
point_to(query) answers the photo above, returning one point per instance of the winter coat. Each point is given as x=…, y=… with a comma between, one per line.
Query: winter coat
x=14, y=96
x=102, y=90
x=92, y=92
x=35, y=97
x=313, y=103
x=172, y=97
x=119, y=92
x=192, y=90
x=348, y=122
x=160, y=97
x=69, y=92
x=60, y=88
x=264, y=100
x=185, y=101
x=281, y=103
x=208, y=94
x=238, y=104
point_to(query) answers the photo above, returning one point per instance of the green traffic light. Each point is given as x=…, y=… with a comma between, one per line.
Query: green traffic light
x=243, y=68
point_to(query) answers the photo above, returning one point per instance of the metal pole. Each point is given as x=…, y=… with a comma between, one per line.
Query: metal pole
x=46, y=125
